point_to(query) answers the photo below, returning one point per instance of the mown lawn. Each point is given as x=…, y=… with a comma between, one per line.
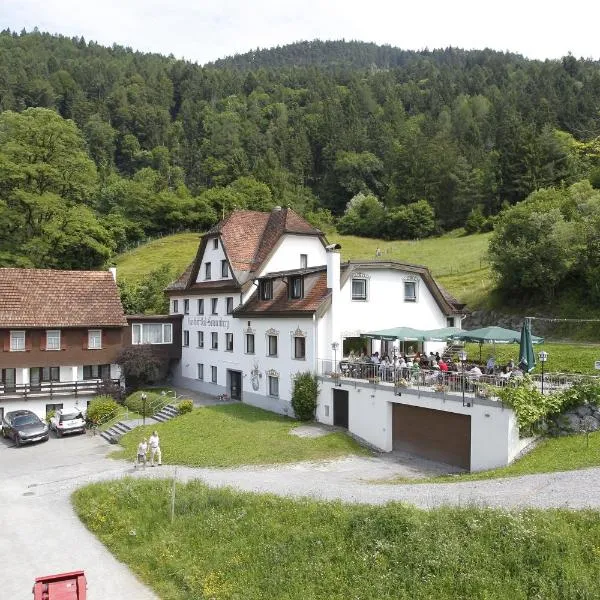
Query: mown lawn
x=565, y=453
x=562, y=358
x=226, y=545
x=236, y=434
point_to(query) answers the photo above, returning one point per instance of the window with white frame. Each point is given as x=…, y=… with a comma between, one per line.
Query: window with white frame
x=229, y=342
x=186, y=337
x=201, y=339
x=450, y=321
x=53, y=339
x=94, y=339
x=17, y=341
x=224, y=269
x=303, y=261
x=175, y=306
x=359, y=289
x=299, y=347
x=214, y=306
x=214, y=340
x=207, y=270
x=273, y=386
x=200, y=306
x=186, y=307
x=271, y=345
x=266, y=289
x=213, y=374
x=229, y=301
x=249, y=343
x=410, y=291
x=151, y=333
x=200, y=371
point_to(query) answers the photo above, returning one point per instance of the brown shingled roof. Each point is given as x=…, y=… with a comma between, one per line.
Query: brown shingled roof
x=248, y=237
x=46, y=298
x=315, y=293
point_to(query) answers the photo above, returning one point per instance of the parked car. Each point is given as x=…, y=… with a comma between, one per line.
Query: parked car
x=68, y=420
x=24, y=426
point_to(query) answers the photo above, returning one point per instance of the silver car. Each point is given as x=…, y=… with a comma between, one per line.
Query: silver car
x=68, y=420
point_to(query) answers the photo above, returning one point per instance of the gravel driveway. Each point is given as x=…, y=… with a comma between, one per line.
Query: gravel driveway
x=41, y=534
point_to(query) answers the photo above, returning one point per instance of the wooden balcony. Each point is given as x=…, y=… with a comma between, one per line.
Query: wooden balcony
x=53, y=389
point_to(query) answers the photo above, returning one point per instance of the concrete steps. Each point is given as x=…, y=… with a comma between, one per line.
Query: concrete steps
x=166, y=414
x=114, y=432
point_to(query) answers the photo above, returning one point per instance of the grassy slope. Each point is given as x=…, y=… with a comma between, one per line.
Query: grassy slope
x=254, y=436
x=225, y=545
x=457, y=261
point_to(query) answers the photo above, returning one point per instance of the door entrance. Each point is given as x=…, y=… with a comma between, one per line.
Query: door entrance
x=340, y=408
x=235, y=385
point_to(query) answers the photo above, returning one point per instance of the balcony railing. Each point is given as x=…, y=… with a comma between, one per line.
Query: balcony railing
x=453, y=384
x=51, y=389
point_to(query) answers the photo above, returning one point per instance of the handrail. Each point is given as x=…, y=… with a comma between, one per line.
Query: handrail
x=52, y=388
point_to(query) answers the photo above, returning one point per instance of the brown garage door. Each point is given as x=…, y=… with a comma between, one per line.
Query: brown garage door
x=433, y=434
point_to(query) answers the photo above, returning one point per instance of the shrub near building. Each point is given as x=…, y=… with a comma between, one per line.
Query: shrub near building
x=304, y=396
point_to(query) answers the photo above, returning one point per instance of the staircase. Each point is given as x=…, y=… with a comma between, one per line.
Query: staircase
x=166, y=414
x=452, y=349
x=114, y=433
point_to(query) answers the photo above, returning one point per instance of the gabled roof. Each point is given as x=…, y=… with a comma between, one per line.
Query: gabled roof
x=248, y=237
x=46, y=298
x=448, y=304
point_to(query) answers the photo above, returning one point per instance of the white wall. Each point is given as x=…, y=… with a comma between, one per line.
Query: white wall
x=494, y=433
x=213, y=256
x=286, y=254
x=38, y=405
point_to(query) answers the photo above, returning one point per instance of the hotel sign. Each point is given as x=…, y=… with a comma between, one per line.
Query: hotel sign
x=208, y=322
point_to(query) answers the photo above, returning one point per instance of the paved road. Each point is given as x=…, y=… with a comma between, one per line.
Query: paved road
x=39, y=533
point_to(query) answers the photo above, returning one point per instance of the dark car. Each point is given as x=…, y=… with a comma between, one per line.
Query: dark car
x=24, y=426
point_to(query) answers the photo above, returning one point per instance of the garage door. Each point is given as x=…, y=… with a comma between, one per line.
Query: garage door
x=433, y=434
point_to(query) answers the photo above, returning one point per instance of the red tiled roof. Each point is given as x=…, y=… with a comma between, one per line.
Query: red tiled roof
x=248, y=237
x=48, y=298
x=315, y=293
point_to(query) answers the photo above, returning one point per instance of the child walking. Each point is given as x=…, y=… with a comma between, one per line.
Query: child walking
x=142, y=450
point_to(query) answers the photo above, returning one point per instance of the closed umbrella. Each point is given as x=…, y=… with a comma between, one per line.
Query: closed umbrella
x=526, y=354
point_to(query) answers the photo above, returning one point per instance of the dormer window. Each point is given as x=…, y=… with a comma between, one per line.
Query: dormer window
x=296, y=287
x=215, y=244
x=266, y=289
x=224, y=269
x=303, y=261
x=207, y=270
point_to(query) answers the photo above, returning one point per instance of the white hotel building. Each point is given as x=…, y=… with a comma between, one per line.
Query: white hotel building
x=266, y=297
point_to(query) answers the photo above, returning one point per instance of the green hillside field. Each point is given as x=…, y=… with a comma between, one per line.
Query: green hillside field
x=456, y=260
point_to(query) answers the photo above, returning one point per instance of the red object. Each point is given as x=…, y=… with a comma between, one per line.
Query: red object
x=64, y=586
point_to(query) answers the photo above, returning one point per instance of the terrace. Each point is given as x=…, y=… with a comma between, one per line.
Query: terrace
x=51, y=389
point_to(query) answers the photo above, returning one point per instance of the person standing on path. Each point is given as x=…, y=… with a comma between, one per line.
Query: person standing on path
x=142, y=450
x=154, y=442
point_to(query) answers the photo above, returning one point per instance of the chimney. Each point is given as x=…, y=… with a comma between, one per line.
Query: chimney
x=333, y=283
x=113, y=272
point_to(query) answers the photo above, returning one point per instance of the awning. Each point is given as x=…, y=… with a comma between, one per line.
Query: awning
x=494, y=335
x=442, y=334
x=404, y=334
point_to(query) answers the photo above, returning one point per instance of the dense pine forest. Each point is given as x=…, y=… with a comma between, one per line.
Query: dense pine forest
x=103, y=147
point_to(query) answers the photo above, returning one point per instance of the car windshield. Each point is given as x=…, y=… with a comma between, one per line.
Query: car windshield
x=25, y=420
x=70, y=416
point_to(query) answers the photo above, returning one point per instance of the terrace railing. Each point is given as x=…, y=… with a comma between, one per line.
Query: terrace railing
x=50, y=389
x=451, y=383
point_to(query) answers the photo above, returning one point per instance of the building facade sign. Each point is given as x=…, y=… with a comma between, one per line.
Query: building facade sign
x=208, y=322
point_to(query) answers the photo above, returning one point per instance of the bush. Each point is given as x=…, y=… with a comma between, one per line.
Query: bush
x=154, y=402
x=304, y=396
x=185, y=406
x=101, y=409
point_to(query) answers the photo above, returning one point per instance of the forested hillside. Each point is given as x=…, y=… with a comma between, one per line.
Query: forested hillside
x=101, y=147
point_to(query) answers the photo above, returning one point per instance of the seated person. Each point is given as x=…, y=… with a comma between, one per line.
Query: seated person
x=475, y=371
x=452, y=366
x=490, y=365
x=442, y=365
x=510, y=365
x=375, y=358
